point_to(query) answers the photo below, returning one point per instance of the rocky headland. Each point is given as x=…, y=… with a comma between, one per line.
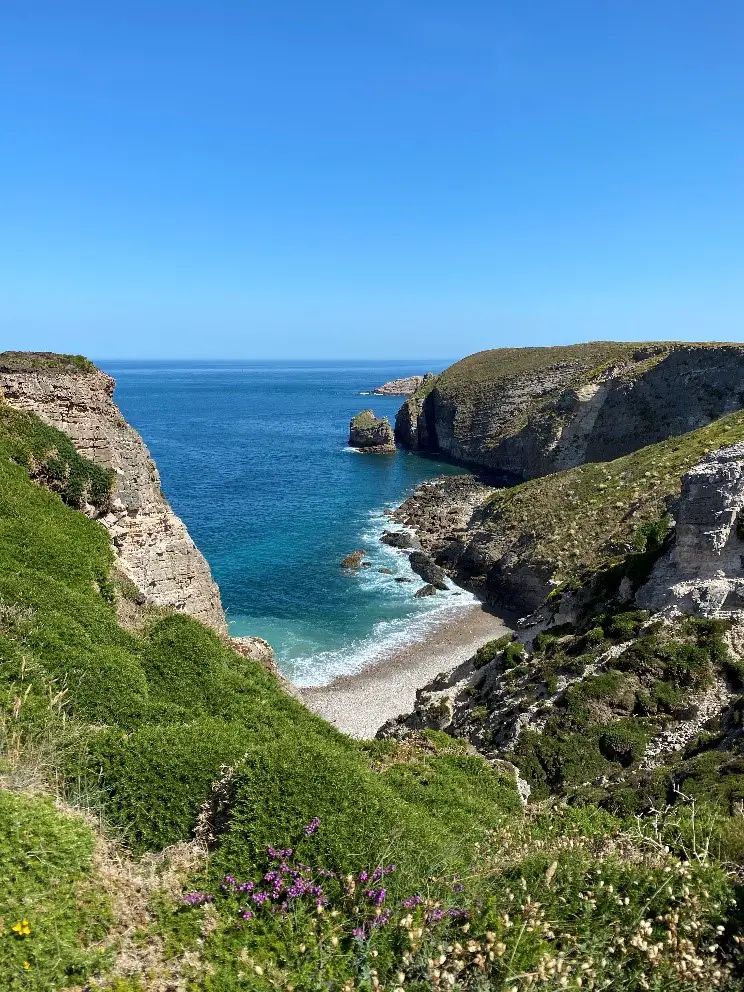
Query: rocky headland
x=402, y=387
x=536, y=411
x=371, y=434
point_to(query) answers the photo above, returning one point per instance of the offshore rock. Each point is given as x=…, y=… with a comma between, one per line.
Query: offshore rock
x=353, y=560
x=703, y=573
x=369, y=433
x=153, y=547
x=402, y=387
x=424, y=591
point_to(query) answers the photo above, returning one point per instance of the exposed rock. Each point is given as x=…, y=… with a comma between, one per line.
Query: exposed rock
x=424, y=591
x=153, y=547
x=534, y=411
x=400, y=579
x=429, y=571
x=402, y=387
x=255, y=648
x=372, y=434
x=385, y=571
x=402, y=539
x=703, y=573
x=354, y=559
x=258, y=650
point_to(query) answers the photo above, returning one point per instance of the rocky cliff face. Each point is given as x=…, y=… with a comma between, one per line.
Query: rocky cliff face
x=703, y=573
x=597, y=694
x=535, y=411
x=153, y=546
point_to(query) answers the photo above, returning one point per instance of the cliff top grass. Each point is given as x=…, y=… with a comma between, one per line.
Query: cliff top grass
x=585, y=516
x=486, y=369
x=44, y=361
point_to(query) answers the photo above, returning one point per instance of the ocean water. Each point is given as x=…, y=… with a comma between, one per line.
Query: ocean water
x=253, y=458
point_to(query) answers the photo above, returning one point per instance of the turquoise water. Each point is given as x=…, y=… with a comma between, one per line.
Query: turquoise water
x=253, y=457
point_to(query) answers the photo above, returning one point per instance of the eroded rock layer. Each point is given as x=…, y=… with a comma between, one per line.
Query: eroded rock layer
x=534, y=411
x=153, y=546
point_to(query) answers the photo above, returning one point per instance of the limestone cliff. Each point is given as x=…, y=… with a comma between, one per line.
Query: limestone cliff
x=534, y=411
x=153, y=546
x=703, y=572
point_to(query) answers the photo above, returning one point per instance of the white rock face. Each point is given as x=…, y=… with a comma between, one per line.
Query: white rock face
x=704, y=571
x=154, y=548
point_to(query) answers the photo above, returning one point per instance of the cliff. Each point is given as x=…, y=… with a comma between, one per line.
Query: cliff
x=515, y=545
x=534, y=411
x=626, y=685
x=153, y=547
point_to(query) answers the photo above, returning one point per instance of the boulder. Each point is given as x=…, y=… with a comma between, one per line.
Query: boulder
x=427, y=590
x=428, y=570
x=369, y=433
x=402, y=539
x=353, y=560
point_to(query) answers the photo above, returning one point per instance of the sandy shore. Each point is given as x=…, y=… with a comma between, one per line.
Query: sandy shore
x=359, y=704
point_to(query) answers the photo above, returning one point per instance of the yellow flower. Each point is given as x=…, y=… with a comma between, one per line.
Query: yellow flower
x=26, y=965
x=21, y=928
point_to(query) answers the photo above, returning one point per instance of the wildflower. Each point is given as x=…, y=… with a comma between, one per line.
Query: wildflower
x=312, y=826
x=196, y=898
x=26, y=965
x=21, y=928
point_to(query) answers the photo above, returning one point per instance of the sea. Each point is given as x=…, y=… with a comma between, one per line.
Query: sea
x=253, y=458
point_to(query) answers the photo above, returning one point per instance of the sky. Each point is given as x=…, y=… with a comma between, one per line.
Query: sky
x=368, y=180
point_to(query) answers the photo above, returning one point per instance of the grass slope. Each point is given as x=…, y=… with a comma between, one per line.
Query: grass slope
x=584, y=517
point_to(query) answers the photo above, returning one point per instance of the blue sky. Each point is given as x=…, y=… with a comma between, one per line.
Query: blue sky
x=358, y=179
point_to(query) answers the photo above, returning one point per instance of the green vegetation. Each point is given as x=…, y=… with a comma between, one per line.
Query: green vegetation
x=365, y=419
x=33, y=361
x=483, y=371
x=51, y=912
x=591, y=516
x=600, y=725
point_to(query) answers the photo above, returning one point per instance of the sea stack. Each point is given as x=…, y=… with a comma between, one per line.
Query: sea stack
x=372, y=434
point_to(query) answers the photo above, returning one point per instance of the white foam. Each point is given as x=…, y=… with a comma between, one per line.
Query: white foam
x=387, y=636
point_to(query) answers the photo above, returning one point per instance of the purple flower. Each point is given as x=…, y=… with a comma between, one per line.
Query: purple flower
x=413, y=901
x=358, y=932
x=312, y=826
x=196, y=898
x=381, y=920
x=260, y=897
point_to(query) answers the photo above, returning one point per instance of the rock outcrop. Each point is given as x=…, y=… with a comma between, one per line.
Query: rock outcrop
x=535, y=411
x=152, y=544
x=372, y=434
x=428, y=570
x=402, y=387
x=703, y=573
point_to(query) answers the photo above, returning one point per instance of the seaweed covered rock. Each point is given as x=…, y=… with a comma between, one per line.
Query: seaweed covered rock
x=372, y=434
